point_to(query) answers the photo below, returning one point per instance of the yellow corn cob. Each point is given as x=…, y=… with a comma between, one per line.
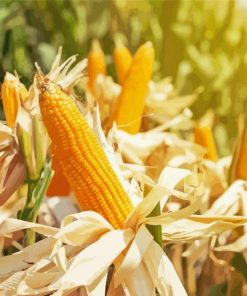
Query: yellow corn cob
x=84, y=162
x=204, y=137
x=59, y=185
x=241, y=161
x=96, y=64
x=122, y=60
x=13, y=92
x=130, y=104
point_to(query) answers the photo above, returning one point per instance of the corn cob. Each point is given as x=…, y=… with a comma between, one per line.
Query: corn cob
x=130, y=104
x=96, y=65
x=204, y=137
x=59, y=185
x=84, y=162
x=122, y=60
x=12, y=95
x=241, y=156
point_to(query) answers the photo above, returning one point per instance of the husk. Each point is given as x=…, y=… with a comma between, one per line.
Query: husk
x=77, y=254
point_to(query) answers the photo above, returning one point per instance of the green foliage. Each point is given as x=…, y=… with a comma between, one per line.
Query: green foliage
x=197, y=43
x=35, y=196
x=214, y=39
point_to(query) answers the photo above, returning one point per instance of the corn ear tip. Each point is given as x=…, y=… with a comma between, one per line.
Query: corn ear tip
x=148, y=44
x=9, y=77
x=41, y=79
x=118, y=43
x=96, y=46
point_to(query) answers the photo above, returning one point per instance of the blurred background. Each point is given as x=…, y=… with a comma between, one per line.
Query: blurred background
x=197, y=44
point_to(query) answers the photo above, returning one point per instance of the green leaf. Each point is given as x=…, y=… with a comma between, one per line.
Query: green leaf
x=36, y=192
x=156, y=230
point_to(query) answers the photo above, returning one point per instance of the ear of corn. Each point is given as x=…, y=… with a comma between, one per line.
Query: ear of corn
x=96, y=64
x=204, y=137
x=32, y=138
x=13, y=92
x=241, y=167
x=59, y=185
x=122, y=60
x=130, y=104
x=84, y=162
x=238, y=169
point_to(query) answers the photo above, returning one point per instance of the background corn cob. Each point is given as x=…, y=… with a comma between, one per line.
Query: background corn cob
x=13, y=92
x=122, y=60
x=241, y=166
x=238, y=168
x=59, y=185
x=128, y=109
x=85, y=164
x=96, y=65
x=204, y=137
